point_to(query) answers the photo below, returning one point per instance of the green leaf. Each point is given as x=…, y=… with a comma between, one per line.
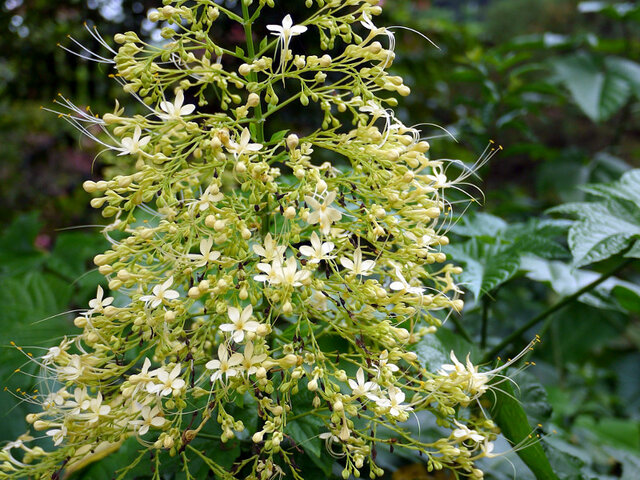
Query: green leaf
x=607, y=227
x=17, y=246
x=305, y=432
x=598, y=91
x=509, y=415
x=434, y=350
x=276, y=137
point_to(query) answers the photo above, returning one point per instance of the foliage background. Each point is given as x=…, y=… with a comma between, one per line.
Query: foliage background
x=556, y=83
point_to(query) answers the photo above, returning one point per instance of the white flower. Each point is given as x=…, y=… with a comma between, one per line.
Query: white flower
x=160, y=294
x=51, y=355
x=175, y=110
x=251, y=362
x=81, y=401
x=394, y=402
x=357, y=266
x=96, y=409
x=244, y=146
x=224, y=365
x=463, y=433
x=57, y=434
x=289, y=276
x=240, y=323
x=403, y=286
x=367, y=23
x=209, y=198
x=270, y=251
x=317, y=251
x=134, y=144
x=286, y=31
x=360, y=387
x=170, y=383
x=475, y=381
x=383, y=363
x=150, y=418
x=323, y=213
x=206, y=255
x=374, y=109
x=73, y=370
x=271, y=272
x=319, y=301
x=98, y=303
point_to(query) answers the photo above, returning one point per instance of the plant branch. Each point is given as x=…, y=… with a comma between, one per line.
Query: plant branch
x=554, y=308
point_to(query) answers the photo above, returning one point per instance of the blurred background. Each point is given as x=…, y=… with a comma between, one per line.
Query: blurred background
x=556, y=83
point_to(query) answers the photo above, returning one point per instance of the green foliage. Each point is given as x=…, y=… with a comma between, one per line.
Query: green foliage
x=38, y=287
x=608, y=226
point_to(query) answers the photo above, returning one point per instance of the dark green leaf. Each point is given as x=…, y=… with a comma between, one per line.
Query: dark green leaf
x=509, y=415
x=598, y=92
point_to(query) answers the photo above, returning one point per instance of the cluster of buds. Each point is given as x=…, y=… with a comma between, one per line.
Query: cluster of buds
x=291, y=272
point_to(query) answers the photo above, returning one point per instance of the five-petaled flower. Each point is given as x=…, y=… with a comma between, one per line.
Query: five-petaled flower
x=317, y=251
x=244, y=146
x=206, y=255
x=285, y=32
x=161, y=293
x=360, y=387
x=357, y=266
x=134, y=144
x=224, y=365
x=240, y=323
x=170, y=382
x=177, y=109
x=98, y=303
x=323, y=213
x=151, y=417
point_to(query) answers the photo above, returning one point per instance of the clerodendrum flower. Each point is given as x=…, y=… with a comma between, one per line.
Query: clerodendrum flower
x=98, y=303
x=133, y=145
x=301, y=252
x=318, y=250
x=225, y=364
x=285, y=32
x=244, y=146
x=206, y=256
x=240, y=323
x=151, y=417
x=357, y=266
x=177, y=109
x=323, y=213
x=161, y=293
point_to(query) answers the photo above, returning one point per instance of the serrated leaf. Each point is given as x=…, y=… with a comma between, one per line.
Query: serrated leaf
x=599, y=92
x=509, y=415
x=480, y=225
x=566, y=280
x=602, y=230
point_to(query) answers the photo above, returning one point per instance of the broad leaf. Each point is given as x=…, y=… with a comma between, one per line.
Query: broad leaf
x=599, y=91
x=509, y=415
x=607, y=227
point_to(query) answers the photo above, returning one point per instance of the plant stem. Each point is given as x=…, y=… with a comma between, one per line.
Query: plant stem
x=554, y=308
x=259, y=119
x=253, y=77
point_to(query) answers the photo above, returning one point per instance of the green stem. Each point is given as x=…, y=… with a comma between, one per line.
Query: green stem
x=554, y=308
x=259, y=119
x=253, y=77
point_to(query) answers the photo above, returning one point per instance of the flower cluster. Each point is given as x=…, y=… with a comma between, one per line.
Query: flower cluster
x=289, y=273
